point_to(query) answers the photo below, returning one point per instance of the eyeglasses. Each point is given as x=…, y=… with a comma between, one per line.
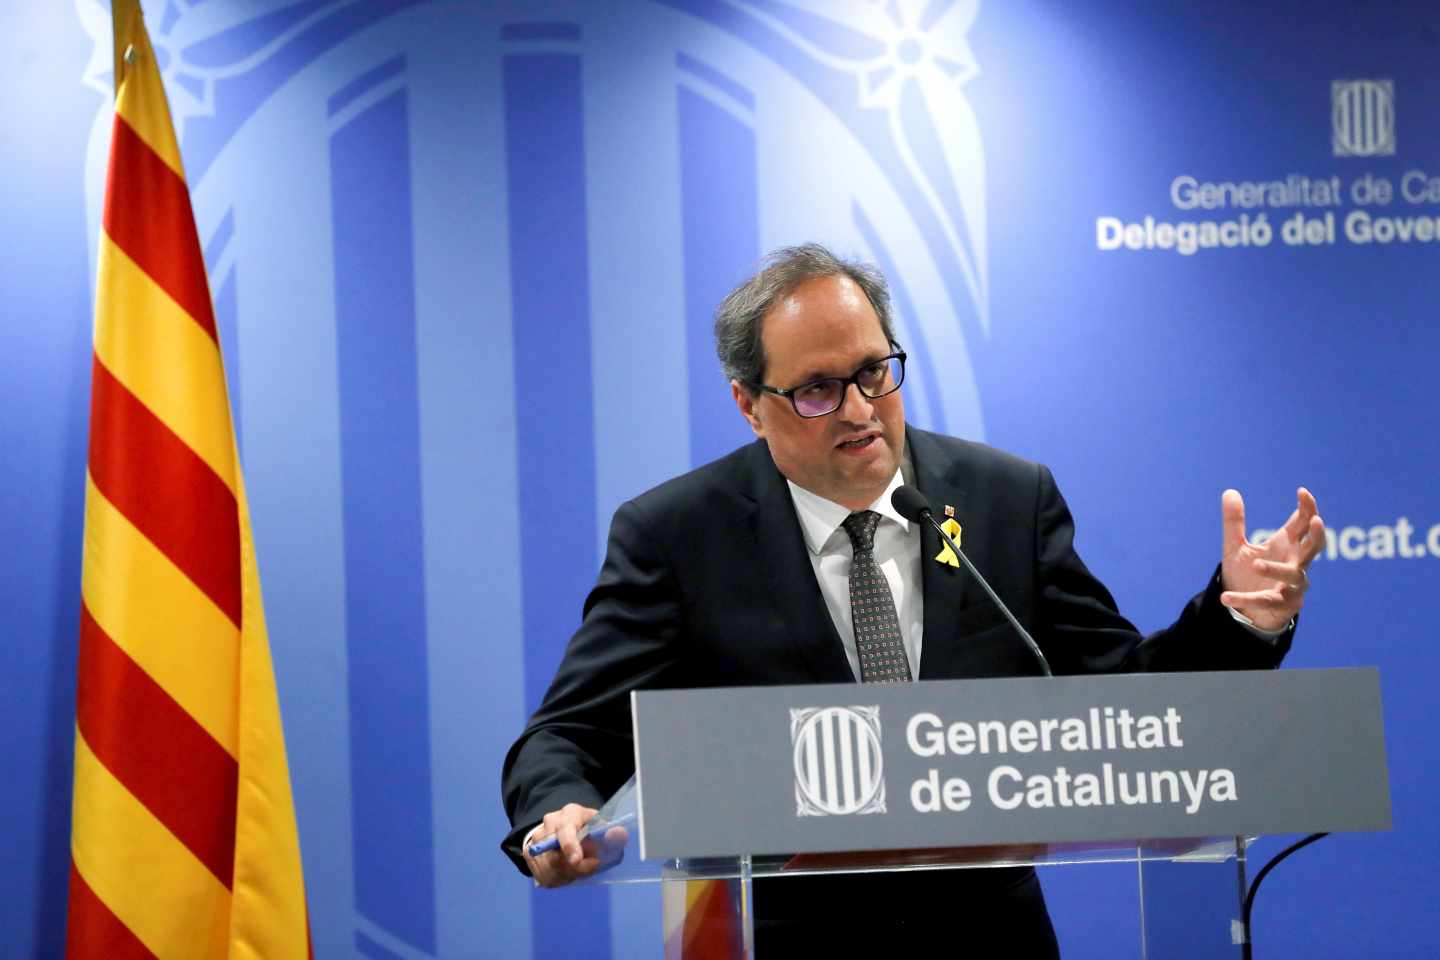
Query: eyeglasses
x=818, y=398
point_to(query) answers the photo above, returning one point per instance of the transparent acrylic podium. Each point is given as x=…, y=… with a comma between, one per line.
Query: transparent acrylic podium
x=1190, y=889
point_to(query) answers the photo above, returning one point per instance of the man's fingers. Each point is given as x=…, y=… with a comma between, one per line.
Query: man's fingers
x=1314, y=541
x=572, y=818
x=615, y=838
x=612, y=845
x=597, y=856
x=557, y=867
x=545, y=873
x=557, y=873
x=1299, y=521
x=548, y=869
x=569, y=838
x=569, y=870
x=1292, y=574
x=1232, y=521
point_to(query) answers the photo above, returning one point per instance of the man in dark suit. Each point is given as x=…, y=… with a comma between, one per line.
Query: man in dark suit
x=739, y=573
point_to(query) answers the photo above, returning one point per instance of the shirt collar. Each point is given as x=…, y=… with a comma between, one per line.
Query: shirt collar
x=820, y=518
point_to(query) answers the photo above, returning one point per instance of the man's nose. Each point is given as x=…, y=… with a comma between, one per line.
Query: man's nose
x=855, y=406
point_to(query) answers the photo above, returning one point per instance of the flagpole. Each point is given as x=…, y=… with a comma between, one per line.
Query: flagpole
x=122, y=17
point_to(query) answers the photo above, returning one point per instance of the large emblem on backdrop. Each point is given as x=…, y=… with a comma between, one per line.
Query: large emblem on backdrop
x=882, y=82
x=852, y=126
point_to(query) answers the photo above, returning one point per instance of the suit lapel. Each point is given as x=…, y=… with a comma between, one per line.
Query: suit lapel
x=947, y=590
x=787, y=568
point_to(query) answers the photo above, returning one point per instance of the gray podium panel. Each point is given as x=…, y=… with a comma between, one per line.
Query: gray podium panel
x=961, y=763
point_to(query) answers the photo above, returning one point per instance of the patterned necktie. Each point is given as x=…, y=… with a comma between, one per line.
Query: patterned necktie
x=872, y=608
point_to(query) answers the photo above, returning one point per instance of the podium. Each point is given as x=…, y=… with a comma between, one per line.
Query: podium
x=1175, y=773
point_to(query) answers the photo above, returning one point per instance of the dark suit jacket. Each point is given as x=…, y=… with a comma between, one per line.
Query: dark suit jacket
x=707, y=582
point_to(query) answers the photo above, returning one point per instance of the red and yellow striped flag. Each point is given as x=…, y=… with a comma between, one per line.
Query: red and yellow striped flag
x=183, y=842
x=701, y=919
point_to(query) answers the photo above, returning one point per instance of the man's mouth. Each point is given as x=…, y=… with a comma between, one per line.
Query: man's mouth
x=856, y=444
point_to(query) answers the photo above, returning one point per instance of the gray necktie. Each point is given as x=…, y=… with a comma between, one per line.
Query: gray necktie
x=872, y=608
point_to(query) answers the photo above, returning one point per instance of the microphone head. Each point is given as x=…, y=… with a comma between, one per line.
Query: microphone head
x=910, y=503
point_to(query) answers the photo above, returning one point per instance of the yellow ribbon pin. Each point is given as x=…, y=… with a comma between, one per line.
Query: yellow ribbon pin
x=947, y=555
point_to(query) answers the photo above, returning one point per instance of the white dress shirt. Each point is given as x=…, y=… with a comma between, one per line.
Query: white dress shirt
x=897, y=552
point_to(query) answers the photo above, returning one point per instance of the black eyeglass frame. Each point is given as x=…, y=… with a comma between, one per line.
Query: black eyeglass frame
x=789, y=393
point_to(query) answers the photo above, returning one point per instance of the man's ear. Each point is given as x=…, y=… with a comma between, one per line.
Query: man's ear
x=747, y=401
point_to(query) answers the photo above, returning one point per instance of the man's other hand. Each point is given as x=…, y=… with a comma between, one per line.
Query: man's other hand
x=574, y=858
x=1266, y=583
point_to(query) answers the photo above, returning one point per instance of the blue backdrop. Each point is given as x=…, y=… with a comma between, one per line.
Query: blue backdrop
x=464, y=257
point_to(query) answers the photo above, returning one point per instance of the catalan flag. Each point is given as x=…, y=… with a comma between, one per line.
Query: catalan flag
x=183, y=842
x=702, y=920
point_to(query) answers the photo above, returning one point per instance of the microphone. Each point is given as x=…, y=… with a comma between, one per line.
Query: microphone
x=912, y=505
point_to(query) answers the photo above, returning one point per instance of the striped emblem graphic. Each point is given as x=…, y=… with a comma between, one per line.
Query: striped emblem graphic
x=730, y=100
x=1362, y=118
x=838, y=764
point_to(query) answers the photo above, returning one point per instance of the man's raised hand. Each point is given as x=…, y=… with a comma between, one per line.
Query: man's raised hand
x=1266, y=583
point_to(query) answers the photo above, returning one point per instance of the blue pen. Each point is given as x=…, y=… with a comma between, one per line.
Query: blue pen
x=553, y=842
x=545, y=846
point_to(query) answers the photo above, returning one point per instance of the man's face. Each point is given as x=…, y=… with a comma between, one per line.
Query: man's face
x=826, y=327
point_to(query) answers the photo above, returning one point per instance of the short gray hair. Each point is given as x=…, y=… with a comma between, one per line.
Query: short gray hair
x=739, y=317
